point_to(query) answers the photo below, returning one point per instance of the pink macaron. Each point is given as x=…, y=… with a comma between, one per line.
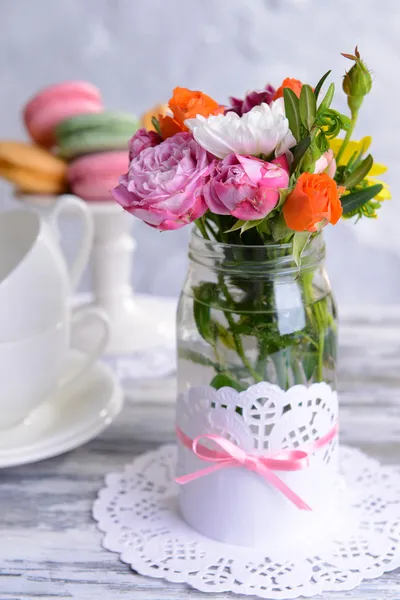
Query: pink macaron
x=55, y=104
x=92, y=177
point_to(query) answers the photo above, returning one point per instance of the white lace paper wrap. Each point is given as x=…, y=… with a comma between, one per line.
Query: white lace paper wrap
x=137, y=510
x=237, y=506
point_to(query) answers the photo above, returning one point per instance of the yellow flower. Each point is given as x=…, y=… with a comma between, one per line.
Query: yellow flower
x=354, y=147
x=159, y=109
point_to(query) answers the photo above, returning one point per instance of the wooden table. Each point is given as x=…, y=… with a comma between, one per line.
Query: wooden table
x=49, y=544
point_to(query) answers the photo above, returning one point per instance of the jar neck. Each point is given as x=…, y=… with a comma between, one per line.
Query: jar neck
x=271, y=258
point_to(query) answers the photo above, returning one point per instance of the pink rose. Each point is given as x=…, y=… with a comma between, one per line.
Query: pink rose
x=141, y=140
x=326, y=164
x=245, y=187
x=163, y=183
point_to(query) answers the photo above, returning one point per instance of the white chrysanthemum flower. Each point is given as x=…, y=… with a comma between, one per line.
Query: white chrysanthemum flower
x=262, y=130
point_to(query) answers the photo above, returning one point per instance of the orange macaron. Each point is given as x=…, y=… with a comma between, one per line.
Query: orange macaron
x=32, y=169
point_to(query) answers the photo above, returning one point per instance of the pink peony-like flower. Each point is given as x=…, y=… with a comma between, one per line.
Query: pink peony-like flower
x=326, y=164
x=245, y=187
x=163, y=183
x=255, y=98
x=141, y=140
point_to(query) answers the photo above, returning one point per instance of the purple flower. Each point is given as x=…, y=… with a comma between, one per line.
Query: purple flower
x=252, y=99
x=163, y=184
x=141, y=140
x=245, y=187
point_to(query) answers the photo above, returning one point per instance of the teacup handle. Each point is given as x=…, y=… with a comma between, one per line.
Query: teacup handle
x=81, y=317
x=71, y=205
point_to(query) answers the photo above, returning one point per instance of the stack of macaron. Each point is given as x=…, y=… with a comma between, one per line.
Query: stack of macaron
x=78, y=145
x=96, y=146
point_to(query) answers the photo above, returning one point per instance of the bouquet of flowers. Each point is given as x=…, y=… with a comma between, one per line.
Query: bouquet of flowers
x=265, y=175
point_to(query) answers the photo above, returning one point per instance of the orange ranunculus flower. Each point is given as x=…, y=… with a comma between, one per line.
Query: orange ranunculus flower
x=314, y=200
x=186, y=104
x=293, y=84
x=169, y=126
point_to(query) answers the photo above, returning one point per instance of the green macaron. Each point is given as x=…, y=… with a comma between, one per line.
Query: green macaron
x=95, y=132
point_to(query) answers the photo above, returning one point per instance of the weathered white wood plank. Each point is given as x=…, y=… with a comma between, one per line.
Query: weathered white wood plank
x=49, y=545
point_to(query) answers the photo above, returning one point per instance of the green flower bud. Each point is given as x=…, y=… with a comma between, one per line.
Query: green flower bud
x=357, y=82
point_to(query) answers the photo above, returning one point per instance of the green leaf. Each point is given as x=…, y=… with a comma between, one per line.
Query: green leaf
x=204, y=323
x=345, y=121
x=309, y=363
x=307, y=106
x=198, y=358
x=331, y=122
x=263, y=227
x=245, y=225
x=354, y=159
x=283, y=194
x=359, y=173
x=205, y=295
x=279, y=229
x=250, y=224
x=156, y=125
x=321, y=142
x=300, y=241
x=238, y=225
x=225, y=336
x=353, y=201
x=299, y=151
x=313, y=153
x=223, y=380
x=292, y=112
x=320, y=84
x=327, y=101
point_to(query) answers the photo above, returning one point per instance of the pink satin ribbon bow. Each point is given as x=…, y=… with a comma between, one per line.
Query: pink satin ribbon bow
x=233, y=456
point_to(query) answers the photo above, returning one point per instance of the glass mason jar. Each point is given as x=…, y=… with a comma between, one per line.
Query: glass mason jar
x=249, y=314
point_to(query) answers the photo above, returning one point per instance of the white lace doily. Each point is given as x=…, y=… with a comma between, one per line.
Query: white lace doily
x=137, y=510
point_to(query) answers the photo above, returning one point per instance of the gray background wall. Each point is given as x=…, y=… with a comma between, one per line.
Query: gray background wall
x=136, y=51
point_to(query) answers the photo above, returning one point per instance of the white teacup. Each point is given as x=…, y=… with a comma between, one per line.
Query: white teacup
x=30, y=368
x=35, y=281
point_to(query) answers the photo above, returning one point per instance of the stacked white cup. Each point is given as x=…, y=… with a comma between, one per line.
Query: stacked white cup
x=36, y=323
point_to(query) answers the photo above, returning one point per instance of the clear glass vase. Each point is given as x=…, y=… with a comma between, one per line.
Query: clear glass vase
x=249, y=314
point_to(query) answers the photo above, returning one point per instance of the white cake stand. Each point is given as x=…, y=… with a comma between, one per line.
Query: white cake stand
x=134, y=326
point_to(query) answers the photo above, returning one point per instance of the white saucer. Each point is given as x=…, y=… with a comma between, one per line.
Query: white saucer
x=139, y=323
x=63, y=423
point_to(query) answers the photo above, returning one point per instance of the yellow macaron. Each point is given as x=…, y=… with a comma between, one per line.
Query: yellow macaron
x=32, y=169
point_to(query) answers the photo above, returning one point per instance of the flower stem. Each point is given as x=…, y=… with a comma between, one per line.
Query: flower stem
x=262, y=357
x=281, y=370
x=318, y=314
x=211, y=230
x=224, y=237
x=349, y=133
x=320, y=366
x=202, y=228
x=236, y=337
